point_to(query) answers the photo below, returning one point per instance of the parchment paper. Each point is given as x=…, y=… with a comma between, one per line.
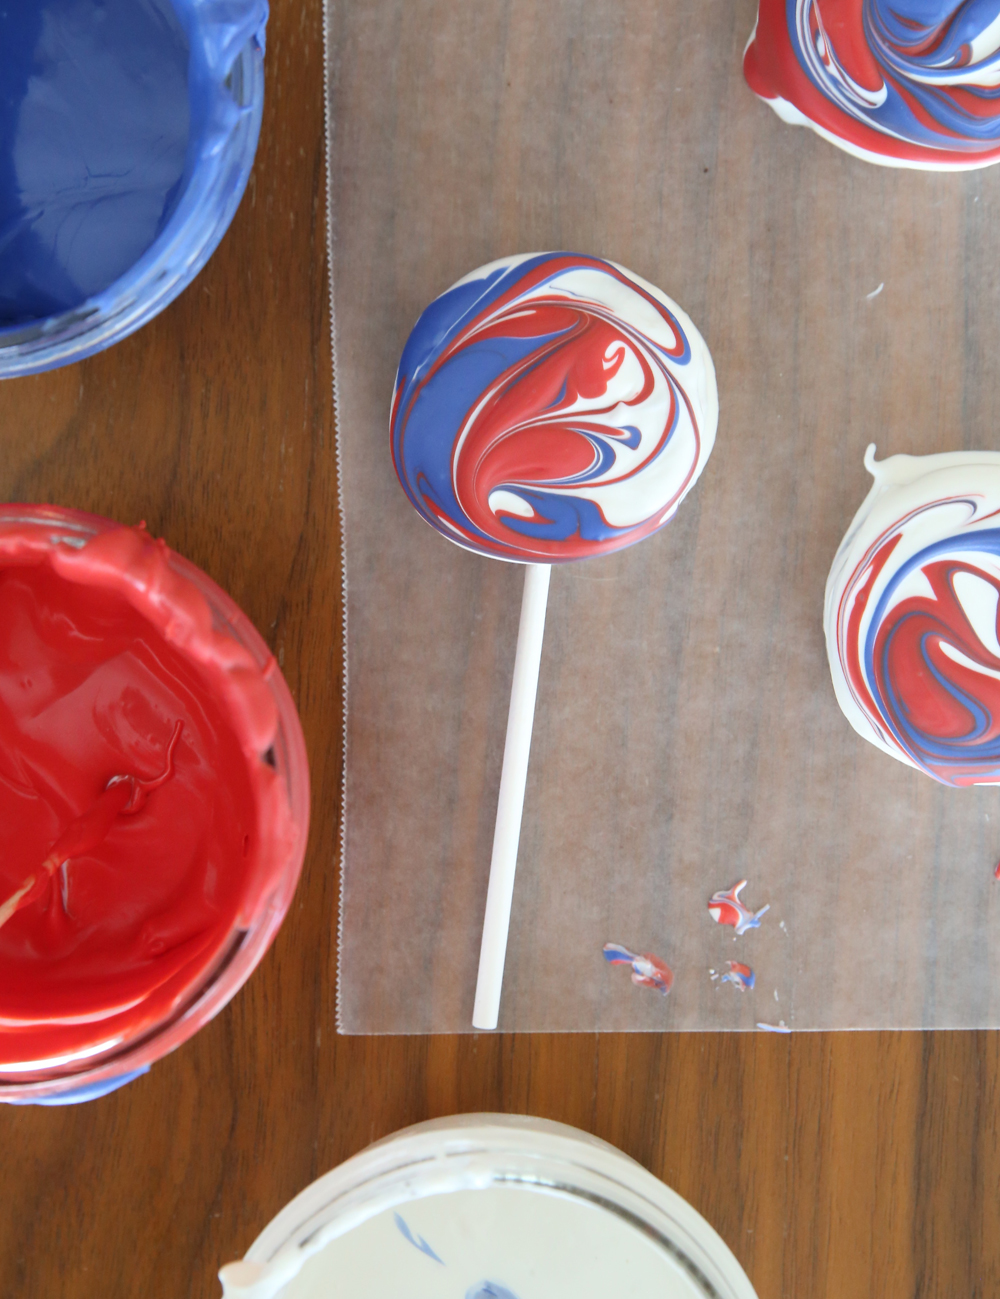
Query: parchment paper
x=686, y=733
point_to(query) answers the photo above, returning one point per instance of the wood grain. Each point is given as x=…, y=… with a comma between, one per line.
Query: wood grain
x=834, y=1165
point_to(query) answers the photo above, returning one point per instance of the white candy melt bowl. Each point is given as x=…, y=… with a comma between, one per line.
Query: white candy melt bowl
x=488, y=1206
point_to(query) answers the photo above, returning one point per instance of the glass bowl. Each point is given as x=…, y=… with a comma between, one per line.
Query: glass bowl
x=62, y=1081
x=226, y=89
x=488, y=1206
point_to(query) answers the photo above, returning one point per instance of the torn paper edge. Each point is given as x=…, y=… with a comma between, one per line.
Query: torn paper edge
x=328, y=122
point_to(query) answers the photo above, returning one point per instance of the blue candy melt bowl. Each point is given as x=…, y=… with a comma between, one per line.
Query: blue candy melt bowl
x=226, y=97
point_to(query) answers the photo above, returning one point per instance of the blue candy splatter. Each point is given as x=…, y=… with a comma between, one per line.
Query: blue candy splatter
x=417, y=1242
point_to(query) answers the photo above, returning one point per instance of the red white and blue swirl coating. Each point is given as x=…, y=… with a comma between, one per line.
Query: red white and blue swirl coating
x=648, y=971
x=911, y=615
x=905, y=82
x=551, y=407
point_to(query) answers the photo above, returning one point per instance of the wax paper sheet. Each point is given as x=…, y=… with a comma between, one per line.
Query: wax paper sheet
x=687, y=735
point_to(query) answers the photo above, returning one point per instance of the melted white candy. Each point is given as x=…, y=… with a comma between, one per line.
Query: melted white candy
x=902, y=489
x=496, y=1243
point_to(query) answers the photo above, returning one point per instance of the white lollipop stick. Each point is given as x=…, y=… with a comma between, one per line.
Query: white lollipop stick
x=543, y=440
x=510, y=803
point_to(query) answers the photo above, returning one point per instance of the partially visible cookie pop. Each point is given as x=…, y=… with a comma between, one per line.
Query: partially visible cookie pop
x=911, y=614
x=547, y=408
x=906, y=83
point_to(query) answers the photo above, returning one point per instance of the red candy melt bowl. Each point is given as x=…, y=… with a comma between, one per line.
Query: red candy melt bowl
x=154, y=802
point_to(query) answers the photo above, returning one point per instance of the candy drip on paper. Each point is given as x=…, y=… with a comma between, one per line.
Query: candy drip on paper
x=550, y=408
x=131, y=735
x=648, y=971
x=911, y=614
x=725, y=908
x=904, y=82
x=740, y=976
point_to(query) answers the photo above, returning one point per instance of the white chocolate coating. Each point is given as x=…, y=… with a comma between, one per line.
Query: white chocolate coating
x=911, y=614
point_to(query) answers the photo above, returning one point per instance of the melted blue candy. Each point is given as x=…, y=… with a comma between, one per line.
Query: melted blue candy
x=95, y=126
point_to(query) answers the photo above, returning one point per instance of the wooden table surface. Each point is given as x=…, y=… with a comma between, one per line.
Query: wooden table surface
x=833, y=1165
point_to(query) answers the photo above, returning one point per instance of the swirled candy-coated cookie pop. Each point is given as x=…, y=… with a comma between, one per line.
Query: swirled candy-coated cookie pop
x=911, y=614
x=907, y=83
x=552, y=407
x=547, y=408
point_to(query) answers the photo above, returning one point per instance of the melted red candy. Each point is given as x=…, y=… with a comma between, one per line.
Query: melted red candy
x=103, y=651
